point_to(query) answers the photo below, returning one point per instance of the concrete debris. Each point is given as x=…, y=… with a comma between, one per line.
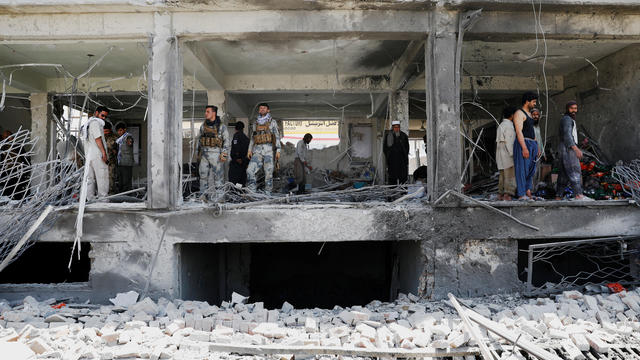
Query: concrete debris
x=572, y=323
x=125, y=299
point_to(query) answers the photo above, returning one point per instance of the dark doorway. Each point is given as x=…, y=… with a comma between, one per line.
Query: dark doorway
x=46, y=263
x=343, y=273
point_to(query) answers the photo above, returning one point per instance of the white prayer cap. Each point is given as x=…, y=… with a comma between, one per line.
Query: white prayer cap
x=395, y=122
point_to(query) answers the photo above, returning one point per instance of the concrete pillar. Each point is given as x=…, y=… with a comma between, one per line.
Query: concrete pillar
x=400, y=109
x=217, y=98
x=164, y=123
x=443, y=99
x=39, y=125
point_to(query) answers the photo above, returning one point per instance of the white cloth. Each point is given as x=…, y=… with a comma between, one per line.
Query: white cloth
x=301, y=150
x=505, y=139
x=263, y=119
x=98, y=177
x=536, y=129
x=574, y=132
x=92, y=129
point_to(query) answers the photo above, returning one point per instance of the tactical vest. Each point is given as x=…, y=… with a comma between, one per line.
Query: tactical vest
x=210, y=136
x=263, y=135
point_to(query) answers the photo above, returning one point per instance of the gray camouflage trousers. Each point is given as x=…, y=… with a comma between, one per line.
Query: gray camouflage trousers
x=262, y=158
x=211, y=169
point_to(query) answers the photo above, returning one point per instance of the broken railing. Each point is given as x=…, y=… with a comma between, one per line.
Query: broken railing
x=604, y=260
x=28, y=193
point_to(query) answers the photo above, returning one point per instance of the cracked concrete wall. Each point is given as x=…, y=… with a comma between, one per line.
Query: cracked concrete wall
x=609, y=111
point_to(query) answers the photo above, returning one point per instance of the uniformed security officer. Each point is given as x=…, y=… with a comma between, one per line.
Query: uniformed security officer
x=213, y=149
x=265, y=137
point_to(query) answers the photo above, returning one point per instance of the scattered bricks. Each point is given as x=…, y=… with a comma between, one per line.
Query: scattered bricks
x=603, y=317
x=421, y=338
x=631, y=302
x=125, y=299
x=401, y=332
x=270, y=330
x=621, y=317
x=580, y=341
x=530, y=329
x=39, y=346
x=134, y=325
x=459, y=340
x=597, y=344
x=440, y=344
x=290, y=321
x=519, y=311
x=189, y=320
x=572, y=294
x=207, y=324
x=273, y=316
x=572, y=351
x=110, y=337
x=147, y=306
x=310, y=325
x=339, y=331
x=558, y=334
x=18, y=351
x=198, y=335
x=407, y=344
x=390, y=316
x=359, y=316
x=552, y=320
x=631, y=315
x=15, y=316
x=238, y=299
x=413, y=298
x=174, y=326
x=286, y=308
x=331, y=341
x=346, y=316
x=592, y=303
x=366, y=331
x=483, y=310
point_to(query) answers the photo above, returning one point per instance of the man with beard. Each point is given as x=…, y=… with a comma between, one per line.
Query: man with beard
x=396, y=150
x=213, y=148
x=569, y=154
x=535, y=114
x=525, y=148
x=264, y=140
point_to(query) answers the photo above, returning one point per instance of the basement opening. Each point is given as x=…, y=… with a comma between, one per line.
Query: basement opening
x=306, y=275
x=52, y=259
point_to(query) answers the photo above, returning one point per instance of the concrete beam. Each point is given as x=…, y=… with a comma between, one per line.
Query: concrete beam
x=207, y=71
x=605, y=24
x=405, y=68
x=500, y=84
x=26, y=80
x=326, y=24
x=93, y=27
x=165, y=118
x=307, y=82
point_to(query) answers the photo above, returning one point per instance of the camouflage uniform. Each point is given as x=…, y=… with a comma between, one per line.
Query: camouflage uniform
x=262, y=154
x=112, y=157
x=213, y=141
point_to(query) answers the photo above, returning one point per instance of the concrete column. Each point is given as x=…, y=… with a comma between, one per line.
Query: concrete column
x=39, y=125
x=443, y=96
x=400, y=109
x=217, y=98
x=164, y=147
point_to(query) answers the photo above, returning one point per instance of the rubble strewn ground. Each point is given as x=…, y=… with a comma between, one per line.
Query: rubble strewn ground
x=572, y=323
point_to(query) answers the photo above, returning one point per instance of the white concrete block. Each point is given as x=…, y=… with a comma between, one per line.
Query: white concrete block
x=331, y=341
x=39, y=346
x=558, y=334
x=286, y=308
x=572, y=351
x=238, y=299
x=366, y=331
x=310, y=325
x=597, y=344
x=339, y=331
x=572, y=294
x=125, y=299
x=552, y=320
x=273, y=316
x=580, y=341
x=359, y=316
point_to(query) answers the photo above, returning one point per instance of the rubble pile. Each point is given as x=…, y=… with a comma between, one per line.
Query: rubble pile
x=572, y=323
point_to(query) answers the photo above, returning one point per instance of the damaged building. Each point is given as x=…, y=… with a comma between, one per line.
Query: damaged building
x=343, y=71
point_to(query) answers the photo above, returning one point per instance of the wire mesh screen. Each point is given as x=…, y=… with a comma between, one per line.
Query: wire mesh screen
x=27, y=190
x=558, y=266
x=629, y=177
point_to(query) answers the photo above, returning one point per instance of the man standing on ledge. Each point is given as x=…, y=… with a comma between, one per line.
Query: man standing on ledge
x=569, y=154
x=300, y=164
x=213, y=148
x=265, y=137
x=239, y=161
x=92, y=134
x=525, y=148
x=396, y=150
